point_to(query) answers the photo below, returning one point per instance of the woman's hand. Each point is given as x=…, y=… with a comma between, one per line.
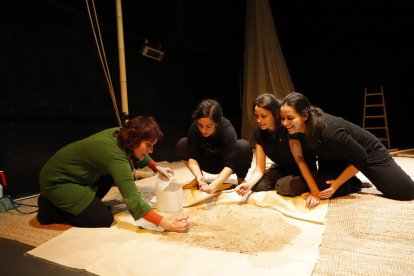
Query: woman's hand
x=327, y=193
x=167, y=172
x=312, y=200
x=208, y=188
x=179, y=224
x=243, y=188
x=201, y=181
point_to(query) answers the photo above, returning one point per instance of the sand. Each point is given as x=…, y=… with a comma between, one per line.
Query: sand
x=237, y=228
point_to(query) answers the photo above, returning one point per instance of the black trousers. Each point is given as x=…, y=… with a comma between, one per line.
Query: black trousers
x=97, y=214
x=386, y=175
x=242, y=158
x=286, y=185
x=294, y=185
x=391, y=180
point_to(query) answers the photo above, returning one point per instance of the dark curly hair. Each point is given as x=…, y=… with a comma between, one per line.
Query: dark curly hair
x=136, y=130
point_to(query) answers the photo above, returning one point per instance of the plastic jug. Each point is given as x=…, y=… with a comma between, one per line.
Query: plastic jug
x=169, y=195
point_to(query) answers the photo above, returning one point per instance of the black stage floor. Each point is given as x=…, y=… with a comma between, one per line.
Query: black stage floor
x=15, y=262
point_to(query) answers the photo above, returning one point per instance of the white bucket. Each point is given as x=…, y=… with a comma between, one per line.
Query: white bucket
x=169, y=195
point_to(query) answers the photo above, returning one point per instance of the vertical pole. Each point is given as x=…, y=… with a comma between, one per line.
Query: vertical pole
x=122, y=67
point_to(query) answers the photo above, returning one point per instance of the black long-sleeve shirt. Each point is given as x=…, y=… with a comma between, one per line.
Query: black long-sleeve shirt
x=276, y=147
x=339, y=140
x=219, y=145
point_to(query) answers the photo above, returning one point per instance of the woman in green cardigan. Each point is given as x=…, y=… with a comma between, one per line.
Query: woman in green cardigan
x=75, y=179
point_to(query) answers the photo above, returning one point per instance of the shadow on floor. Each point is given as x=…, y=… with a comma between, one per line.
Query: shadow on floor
x=15, y=262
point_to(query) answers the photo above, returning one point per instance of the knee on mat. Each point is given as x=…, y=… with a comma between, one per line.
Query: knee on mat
x=105, y=221
x=108, y=221
x=181, y=149
x=400, y=196
x=47, y=212
x=263, y=186
x=291, y=186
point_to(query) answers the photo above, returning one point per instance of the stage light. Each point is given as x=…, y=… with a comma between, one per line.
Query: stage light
x=152, y=52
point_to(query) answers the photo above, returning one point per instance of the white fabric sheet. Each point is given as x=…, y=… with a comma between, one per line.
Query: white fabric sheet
x=118, y=251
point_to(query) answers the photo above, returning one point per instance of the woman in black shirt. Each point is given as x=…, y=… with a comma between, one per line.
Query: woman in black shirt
x=271, y=140
x=212, y=146
x=343, y=149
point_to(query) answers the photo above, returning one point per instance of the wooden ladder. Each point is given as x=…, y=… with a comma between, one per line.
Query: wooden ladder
x=375, y=116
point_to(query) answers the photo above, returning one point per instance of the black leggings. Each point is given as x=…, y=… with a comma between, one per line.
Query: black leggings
x=387, y=176
x=97, y=214
x=391, y=180
x=352, y=185
x=286, y=185
x=293, y=185
x=242, y=158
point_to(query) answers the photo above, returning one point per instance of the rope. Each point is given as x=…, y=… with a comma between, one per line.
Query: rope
x=102, y=57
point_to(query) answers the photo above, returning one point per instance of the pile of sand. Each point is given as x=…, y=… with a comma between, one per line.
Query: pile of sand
x=237, y=228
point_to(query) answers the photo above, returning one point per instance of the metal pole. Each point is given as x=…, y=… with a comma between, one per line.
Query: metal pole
x=122, y=67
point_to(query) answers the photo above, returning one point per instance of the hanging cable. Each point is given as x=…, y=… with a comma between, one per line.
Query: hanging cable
x=102, y=57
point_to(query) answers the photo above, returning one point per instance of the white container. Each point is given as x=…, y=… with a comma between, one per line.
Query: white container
x=1, y=191
x=169, y=195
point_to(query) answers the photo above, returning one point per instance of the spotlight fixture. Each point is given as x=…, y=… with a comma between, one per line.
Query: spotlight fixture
x=152, y=52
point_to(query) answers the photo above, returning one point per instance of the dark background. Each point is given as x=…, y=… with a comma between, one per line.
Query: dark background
x=53, y=89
